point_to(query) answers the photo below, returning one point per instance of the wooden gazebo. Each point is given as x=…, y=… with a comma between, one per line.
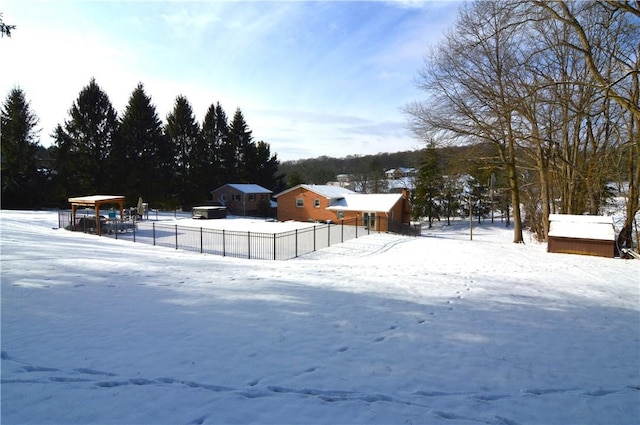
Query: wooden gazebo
x=95, y=202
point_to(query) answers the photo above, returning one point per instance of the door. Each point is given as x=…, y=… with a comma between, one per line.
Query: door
x=369, y=220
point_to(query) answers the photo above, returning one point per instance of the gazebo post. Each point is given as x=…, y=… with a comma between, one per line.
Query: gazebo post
x=74, y=207
x=97, y=205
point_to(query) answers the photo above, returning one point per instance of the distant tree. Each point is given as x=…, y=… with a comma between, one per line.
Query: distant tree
x=450, y=197
x=19, y=144
x=83, y=144
x=144, y=160
x=5, y=29
x=183, y=132
x=429, y=186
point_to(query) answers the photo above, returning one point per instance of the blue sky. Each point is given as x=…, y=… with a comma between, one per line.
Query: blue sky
x=312, y=78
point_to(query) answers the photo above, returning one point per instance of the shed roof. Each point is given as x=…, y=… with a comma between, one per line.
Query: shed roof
x=379, y=202
x=582, y=227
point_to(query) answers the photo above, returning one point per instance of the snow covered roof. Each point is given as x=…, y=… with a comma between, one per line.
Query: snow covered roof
x=402, y=183
x=247, y=188
x=582, y=227
x=382, y=202
x=330, y=192
x=95, y=198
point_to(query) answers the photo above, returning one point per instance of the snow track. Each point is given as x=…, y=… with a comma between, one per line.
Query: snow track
x=383, y=329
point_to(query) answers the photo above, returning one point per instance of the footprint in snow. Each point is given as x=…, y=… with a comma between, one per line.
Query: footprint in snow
x=342, y=349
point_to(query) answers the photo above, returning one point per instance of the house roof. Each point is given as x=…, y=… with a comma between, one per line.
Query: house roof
x=245, y=188
x=402, y=183
x=581, y=227
x=329, y=192
x=379, y=202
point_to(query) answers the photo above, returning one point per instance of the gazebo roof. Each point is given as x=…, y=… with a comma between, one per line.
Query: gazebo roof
x=94, y=200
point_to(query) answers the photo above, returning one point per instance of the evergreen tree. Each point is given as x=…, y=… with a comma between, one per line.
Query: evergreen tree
x=143, y=158
x=241, y=143
x=266, y=173
x=83, y=144
x=215, y=132
x=183, y=133
x=20, y=176
x=429, y=185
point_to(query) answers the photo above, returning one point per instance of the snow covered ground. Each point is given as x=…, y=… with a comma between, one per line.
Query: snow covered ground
x=382, y=329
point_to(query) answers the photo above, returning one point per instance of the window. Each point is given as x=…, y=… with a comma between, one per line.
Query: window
x=299, y=202
x=252, y=197
x=340, y=215
x=223, y=197
x=236, y=197
x=316, y=203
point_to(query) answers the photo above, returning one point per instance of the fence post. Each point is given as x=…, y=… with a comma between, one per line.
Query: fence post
x=342, y=230
x=249, y=245
x=314, y=237
x=116, y=228
x=328, y=234
x=274, y=246
x=154, y=233
x=224, y=249
x=176, y=236
x=296, y=242
x=201, y=240
x=356, y=227
x=134, y=230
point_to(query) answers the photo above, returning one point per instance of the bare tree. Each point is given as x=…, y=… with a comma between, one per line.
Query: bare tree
x=5, y=29
x=610, y=48
x=469, y=78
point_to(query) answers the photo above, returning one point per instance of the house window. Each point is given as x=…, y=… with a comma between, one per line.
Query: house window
x=299, y=202
x=316, y=203
x=252, y=197
x=223, y=197
x=236, y=197
x=263, y=197
x=340, y=215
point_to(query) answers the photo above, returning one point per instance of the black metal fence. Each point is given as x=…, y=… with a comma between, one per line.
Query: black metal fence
x=240, y=244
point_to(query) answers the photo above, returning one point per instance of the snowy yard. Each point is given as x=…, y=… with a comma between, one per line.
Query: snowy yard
x=381, y=329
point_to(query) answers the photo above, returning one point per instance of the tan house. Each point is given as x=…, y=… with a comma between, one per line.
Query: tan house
x=243, y=199
x=332, y=203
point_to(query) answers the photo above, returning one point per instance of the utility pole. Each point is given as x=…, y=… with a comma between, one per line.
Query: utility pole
x=470, y=218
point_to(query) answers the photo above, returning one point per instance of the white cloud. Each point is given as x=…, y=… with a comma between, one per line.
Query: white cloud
x=320, y=78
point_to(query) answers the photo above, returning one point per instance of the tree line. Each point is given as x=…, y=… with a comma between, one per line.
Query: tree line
x=554, y=88
x=96, y=150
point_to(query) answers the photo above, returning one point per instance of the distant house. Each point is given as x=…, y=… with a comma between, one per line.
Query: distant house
x=332, y=203
x=400, y=172
x=581, y=234
x=244, y=199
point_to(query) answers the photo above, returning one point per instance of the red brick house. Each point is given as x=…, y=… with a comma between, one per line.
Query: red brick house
x=243, y=199
x=332, y=203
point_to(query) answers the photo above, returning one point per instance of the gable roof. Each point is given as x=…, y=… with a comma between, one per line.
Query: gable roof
x=245, y=188
x=379, y=202
x=329, y=192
